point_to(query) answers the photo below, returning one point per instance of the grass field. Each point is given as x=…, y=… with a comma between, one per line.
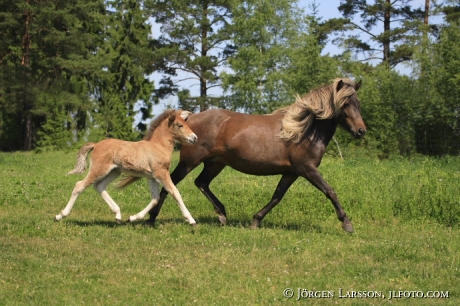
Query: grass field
x=406, y=241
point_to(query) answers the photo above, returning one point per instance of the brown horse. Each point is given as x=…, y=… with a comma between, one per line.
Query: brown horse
x=290, y=142
x=149, y=158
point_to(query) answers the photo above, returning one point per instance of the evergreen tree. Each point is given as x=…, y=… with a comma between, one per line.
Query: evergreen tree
x=278, y=55
x=47, y=41
x=385, y=29
x=194, y=40
x=125, y=61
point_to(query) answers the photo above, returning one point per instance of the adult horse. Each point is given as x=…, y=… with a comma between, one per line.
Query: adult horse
x=149, y=158
x=290, y=142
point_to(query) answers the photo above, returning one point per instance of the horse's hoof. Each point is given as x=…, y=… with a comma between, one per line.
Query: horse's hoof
x=222, y=219
x=347, y=227
x=193, y=224
x=118, y=221
x=129, y=220
x=57, y=218
x=255, y=224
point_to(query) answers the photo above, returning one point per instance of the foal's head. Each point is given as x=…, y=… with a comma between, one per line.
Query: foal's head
x=179, y=129
x=349, y=116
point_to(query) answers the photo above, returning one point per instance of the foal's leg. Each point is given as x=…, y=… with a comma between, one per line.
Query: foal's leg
x=283, y=185
x=165, y=179
x=154, y=187
x=210, y=171
x=101, y=186
x=80, y=186
x=179, y=173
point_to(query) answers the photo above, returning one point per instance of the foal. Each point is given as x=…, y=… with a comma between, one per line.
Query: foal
x=149, y=158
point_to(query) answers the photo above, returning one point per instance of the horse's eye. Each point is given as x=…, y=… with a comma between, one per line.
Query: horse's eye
x=180, y=126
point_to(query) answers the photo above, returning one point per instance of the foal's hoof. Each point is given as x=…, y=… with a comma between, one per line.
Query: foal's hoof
x=222, y=219
x=118, y=221
x=347, y=227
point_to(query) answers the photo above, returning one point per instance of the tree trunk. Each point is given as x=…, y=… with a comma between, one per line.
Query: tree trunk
x=427, y=12
x=386, y=28
x=204, y=53
x=26, y=115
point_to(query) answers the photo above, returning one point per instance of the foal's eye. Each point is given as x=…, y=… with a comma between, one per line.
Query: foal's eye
x=180, y=126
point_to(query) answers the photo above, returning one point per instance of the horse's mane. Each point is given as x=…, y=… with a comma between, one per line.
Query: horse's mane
x=156, y=122
x=321, y=103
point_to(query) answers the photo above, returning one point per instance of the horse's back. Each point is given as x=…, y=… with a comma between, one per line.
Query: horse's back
x=248, y=143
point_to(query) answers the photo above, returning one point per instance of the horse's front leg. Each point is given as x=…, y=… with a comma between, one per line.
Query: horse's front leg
x=154, y=187
x=314, y=177
x=165, y=179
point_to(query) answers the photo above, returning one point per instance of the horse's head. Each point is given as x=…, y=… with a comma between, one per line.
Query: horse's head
x=180, y=131
x=349, y=116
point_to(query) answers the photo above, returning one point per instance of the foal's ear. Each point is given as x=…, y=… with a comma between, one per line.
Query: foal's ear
x=357, y=85
x=339, y=85
x=172, y=117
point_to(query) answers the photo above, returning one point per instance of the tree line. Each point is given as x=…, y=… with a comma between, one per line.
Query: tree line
x=80, y=70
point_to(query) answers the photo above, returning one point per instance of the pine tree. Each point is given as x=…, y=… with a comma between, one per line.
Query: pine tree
x=384, y=31
x=125, y=62
x=46, y=42
x=194, y=40
x=278, y=56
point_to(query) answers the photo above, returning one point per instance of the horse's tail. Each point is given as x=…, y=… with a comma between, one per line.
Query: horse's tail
x=81, y=158
x=125, y=181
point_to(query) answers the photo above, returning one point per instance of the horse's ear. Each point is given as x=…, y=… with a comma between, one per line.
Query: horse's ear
x=339, y=85
x=185, y=115
x=357, y=85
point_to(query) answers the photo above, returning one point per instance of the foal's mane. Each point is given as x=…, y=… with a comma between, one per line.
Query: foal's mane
x=156, y=122
x=321, y=103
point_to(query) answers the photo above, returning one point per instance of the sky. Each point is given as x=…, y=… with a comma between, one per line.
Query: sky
x=326, y=9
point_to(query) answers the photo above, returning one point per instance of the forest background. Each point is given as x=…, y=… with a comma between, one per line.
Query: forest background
x=81, y=70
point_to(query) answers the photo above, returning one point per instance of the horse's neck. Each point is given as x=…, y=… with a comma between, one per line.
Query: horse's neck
x=322, y=131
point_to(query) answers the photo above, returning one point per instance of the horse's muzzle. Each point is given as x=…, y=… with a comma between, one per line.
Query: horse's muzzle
x=360, y=133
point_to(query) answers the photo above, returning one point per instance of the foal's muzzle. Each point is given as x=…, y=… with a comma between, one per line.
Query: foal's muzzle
x=192, y=138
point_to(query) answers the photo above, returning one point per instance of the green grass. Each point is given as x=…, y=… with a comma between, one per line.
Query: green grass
x=405, y=214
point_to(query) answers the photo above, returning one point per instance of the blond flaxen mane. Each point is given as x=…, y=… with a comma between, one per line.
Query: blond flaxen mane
x=322, y=103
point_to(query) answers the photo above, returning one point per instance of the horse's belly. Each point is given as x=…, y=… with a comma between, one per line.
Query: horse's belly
x=258, y=167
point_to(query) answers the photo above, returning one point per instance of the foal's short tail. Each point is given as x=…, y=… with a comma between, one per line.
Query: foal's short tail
x=125, y=181
x=81, y=158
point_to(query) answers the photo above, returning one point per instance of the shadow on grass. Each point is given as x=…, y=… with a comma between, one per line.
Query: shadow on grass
x=244, y=223
x=103, y=223
x=211, y=221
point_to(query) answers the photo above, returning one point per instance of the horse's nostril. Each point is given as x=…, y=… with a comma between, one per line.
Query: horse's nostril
x=361, y=132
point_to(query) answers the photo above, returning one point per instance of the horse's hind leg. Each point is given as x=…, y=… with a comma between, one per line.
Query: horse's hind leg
x=154, y=187
x=283, y=185
x=101, y=186
x=80, y=186
x=210, y=171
